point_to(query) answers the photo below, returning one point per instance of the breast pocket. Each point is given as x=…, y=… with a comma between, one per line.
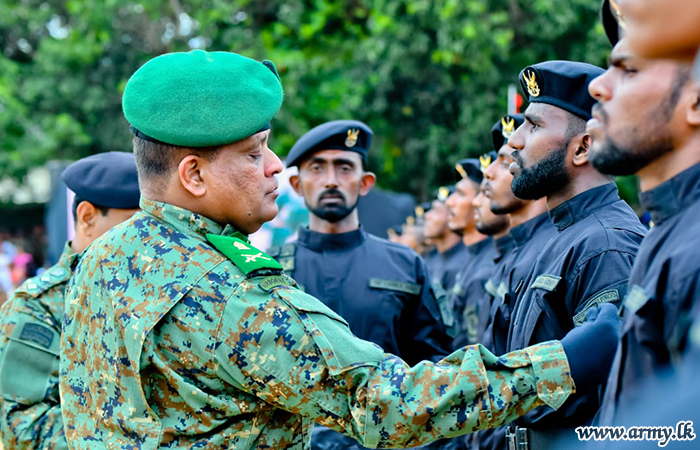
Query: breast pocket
x=540, y=322
x=29, y=366
x=385, y=319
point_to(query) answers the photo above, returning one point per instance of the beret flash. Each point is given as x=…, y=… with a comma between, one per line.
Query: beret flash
x=105, y=179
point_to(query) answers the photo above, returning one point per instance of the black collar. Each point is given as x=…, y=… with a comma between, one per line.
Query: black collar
x=523, y=232
x=583, y=205
x=503, y=244
x=479, y=246
x=458, y=247
x=672, y=196
x=323, y=241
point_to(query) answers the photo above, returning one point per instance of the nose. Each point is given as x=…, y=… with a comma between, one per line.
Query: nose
x=331, y=180
x=517, y=139
x=273, y=165
x=488, y=173
x=599, y=88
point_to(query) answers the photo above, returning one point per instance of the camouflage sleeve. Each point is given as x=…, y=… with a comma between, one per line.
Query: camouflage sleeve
x=293, y=352
x=30, y=410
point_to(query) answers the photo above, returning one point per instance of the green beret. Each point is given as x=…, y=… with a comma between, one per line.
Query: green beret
x=201, y=99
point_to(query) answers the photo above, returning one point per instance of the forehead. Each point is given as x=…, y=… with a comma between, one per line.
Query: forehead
x=334, y=155
x=505, y=150
x=467, y=186
x=550, y=114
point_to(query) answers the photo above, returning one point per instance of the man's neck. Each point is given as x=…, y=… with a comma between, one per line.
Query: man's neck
x=577, y=185
x=471, y=237
x=531, y=210
x=350, y=223
x=446, y=242
x=669, y=165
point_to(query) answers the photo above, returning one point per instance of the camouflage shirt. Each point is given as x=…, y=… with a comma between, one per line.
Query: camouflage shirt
x=168, y=343
x=30, y=330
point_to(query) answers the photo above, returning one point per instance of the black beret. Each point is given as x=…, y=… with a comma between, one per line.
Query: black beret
x=469, y=168
x=350, y=135
x=443, y=193
x=504, y=128
x=613, y=20
x=106, y=179
x=563, y=84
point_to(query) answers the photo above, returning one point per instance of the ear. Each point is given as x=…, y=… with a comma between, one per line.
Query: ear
x=85, y=218
x=693, y=113
x=368, y=181
x=190, y=171
x=295, y=182
x=583, y=143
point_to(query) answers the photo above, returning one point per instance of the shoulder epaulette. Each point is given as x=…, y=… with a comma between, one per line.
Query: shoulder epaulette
x=242, y=254
x=39, y=284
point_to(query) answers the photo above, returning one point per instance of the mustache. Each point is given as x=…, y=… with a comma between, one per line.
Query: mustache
x=517, y=158
x=600, y=112
x=332, y=192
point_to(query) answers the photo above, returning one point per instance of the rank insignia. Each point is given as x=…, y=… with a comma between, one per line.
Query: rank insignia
x=507, y=127
x=533, y=88
x=351, y=140
x=485, y=162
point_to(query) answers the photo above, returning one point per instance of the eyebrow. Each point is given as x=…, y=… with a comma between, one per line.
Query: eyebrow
x=334, y=161
x=532, y=118
x=617, y=60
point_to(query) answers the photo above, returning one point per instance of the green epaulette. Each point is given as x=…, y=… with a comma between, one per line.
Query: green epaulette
x=242, y=254
x=39, y=284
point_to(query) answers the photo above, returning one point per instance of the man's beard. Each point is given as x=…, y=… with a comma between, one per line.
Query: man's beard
x=640, y=148
x=496, y=226
x=546, y=177
x=333, y=212
x=515, y=204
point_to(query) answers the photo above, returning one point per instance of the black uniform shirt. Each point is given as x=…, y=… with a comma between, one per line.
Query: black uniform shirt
x=468, y=293
x=444, y=267
x=586, y=263
x=379, y=287
x=664, y=292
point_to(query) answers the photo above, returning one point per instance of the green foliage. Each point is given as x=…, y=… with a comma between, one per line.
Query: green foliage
x=429, y=76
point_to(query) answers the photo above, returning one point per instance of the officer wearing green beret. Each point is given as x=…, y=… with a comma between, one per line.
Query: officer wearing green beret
x=106, y=194
x=180, y=334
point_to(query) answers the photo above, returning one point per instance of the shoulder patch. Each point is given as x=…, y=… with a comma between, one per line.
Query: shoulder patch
x=392, y=285
x=38, y=334
x=243, y=255
x=269, y=283
x=546, y=282
x=606, y=296
x=636, y=298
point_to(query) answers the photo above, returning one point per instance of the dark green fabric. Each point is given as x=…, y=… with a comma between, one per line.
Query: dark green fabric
x=201, y=99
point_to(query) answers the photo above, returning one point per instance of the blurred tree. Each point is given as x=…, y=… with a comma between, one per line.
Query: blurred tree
x=429, y=76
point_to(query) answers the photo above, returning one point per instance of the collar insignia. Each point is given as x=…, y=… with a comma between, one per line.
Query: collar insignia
x=507, y=127
x=351, y=140
x=460, y=169
x=531, y=83
x=485, y=161
x=443, y=193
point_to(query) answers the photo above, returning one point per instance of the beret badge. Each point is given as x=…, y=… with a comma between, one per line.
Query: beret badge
x=461, y=170
x=351, y=140
x=618, y=14
x=533, y=88
x=485, y=162
x=420, y=211
x=507, y=127
x=443, y=193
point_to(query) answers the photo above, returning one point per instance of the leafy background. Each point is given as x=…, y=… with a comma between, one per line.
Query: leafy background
x=429, y=76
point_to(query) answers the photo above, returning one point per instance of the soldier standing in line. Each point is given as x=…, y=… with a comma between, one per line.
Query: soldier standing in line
x=352, y=271
x=447, y=258
x=658, y=141
x=588, y=261
x=179, y=334
x=106, y=194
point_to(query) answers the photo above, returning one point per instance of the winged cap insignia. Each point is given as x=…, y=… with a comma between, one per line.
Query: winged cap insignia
x=485, y=161
x=619, y=17
x=443, y=193
x=507, y=127
x=531, y=83
x=351, y=140
x=420, y=211
x=460, y=169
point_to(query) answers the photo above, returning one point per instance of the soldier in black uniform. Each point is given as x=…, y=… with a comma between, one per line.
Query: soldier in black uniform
x=381, y=288
x=468, y=289
x=658, y=141
x=588, y=261
x=447, y=258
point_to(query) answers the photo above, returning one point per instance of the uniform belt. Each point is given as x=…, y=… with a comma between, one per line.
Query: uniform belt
x=518, y=438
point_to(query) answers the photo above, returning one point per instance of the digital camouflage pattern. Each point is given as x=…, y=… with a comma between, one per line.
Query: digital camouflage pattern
x=30, y=330
x=167, y=344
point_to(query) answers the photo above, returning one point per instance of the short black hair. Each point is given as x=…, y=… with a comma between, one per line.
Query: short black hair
x=155, y=160
x=77, y=201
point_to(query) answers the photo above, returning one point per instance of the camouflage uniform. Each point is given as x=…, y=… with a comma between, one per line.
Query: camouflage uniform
x=169, y=343
x=30, y=330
